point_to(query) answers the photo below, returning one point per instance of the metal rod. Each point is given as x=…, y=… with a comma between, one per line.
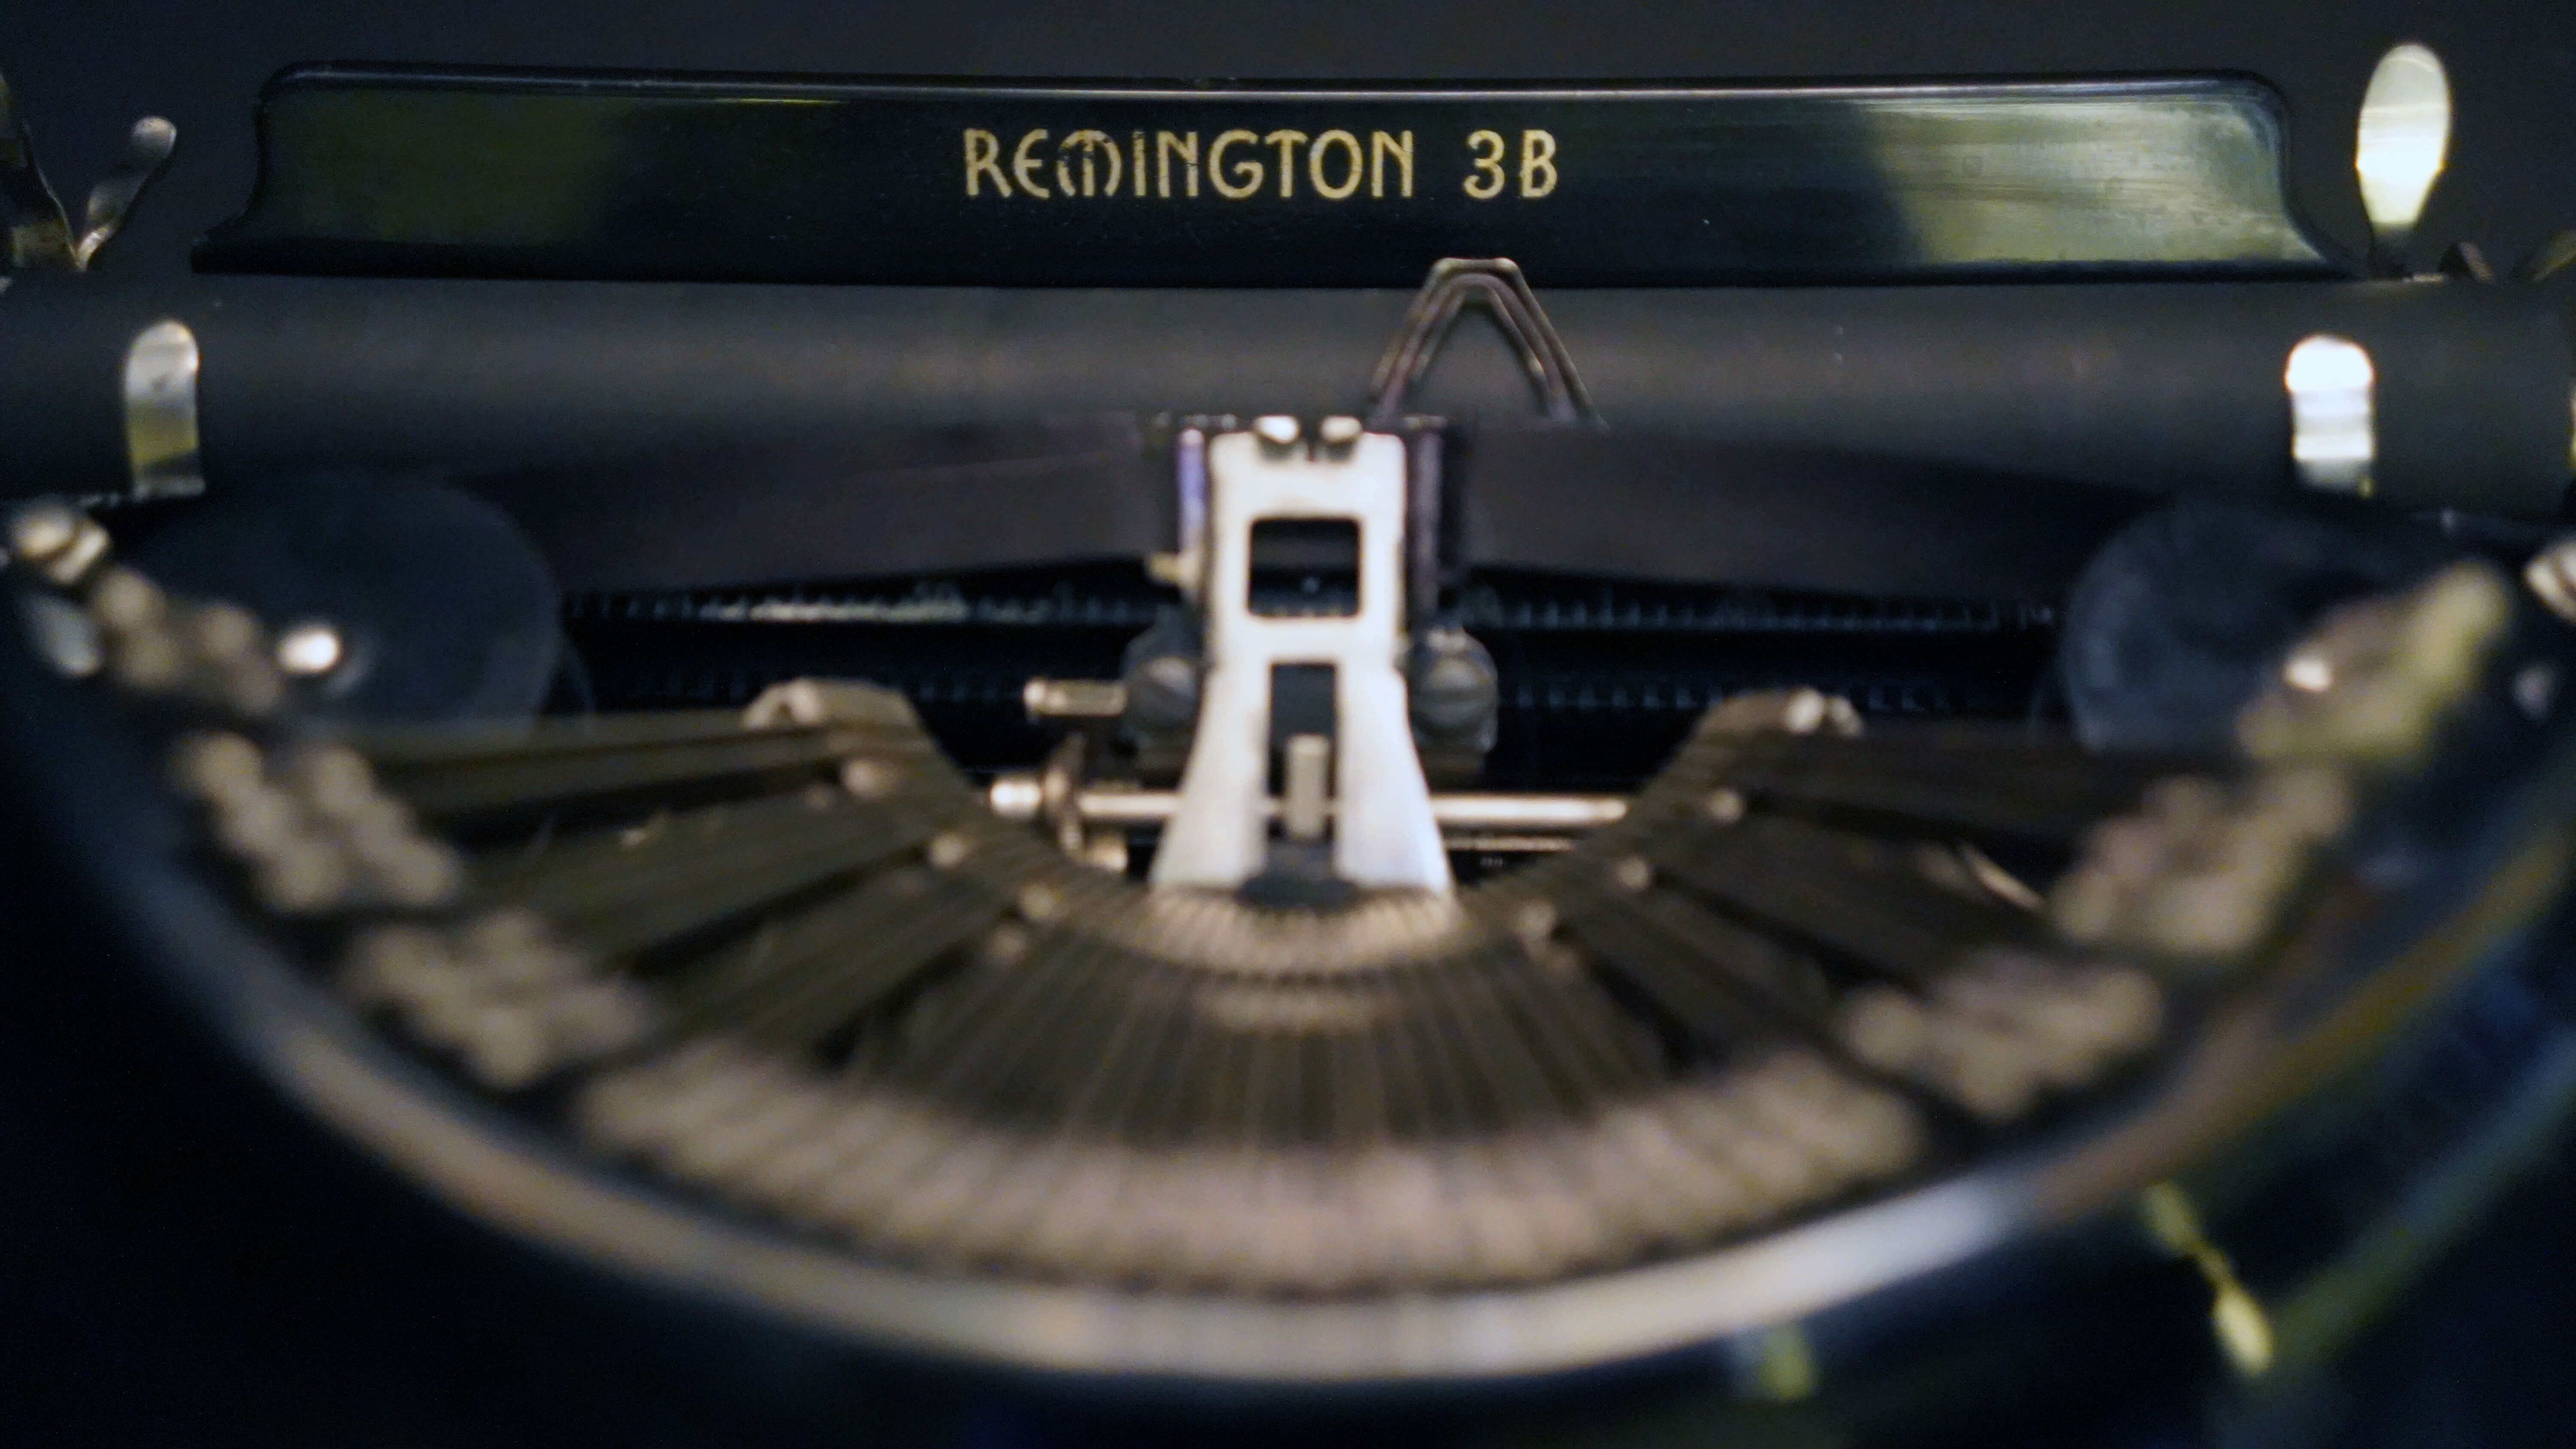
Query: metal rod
x=1013, y=796
x=1309, y=787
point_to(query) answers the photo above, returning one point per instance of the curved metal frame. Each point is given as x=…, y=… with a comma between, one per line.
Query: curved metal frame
x=2258, y=1058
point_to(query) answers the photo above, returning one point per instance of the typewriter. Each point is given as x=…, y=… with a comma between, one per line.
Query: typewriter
x=930, y=761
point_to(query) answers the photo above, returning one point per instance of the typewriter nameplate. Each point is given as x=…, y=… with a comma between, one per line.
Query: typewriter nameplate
x=412, y=173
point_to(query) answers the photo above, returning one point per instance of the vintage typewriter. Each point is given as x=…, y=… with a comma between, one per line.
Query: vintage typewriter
x=1070, y=762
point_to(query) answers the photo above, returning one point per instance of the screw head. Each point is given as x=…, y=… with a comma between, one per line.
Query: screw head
x=2551, y=575
x=310, y=650
x=42, y=529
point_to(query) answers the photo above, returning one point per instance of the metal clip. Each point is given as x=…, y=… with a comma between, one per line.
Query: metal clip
x=39, y=238
x=1497, y=283
x=40, y=231
x=161, y=412
x=147, y=150
x=2333, y=435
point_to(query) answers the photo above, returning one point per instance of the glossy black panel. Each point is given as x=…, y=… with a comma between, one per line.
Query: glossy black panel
x=509, y=174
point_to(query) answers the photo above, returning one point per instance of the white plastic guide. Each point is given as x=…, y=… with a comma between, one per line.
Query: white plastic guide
x=1384, y=834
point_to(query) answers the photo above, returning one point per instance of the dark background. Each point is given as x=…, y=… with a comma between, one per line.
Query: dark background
x=250, y=1291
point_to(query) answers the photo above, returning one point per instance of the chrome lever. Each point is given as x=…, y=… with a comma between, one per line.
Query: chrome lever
x=40, y=231
x=147, y=151
x=39, y=238
x=2403, y=141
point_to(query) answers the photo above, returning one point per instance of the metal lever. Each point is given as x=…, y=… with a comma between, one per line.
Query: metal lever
x=2403, y=142
x=147, y=150
x=2554, y=253
x=39, y=238
x=40, y=231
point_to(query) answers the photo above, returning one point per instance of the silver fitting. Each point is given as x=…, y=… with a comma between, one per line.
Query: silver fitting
x=2333, y=432
x=2551, y=576
x=56, y=540
x=1339, y=432
x=1074, y=699
x=161, y=412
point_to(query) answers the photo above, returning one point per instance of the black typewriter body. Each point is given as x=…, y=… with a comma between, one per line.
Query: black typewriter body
x=1901, y=779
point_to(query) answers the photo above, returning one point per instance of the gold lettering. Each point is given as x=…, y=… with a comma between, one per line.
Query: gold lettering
x=984, y=154
x=1024, y=167
x=1094, y=144
x=1334, y=163
x=1381, y=146
x=1287, y=142
x=1247, y=174
x=1167, y=145
x=1315, y=165
x=1538, y=158
x=1487, y=182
